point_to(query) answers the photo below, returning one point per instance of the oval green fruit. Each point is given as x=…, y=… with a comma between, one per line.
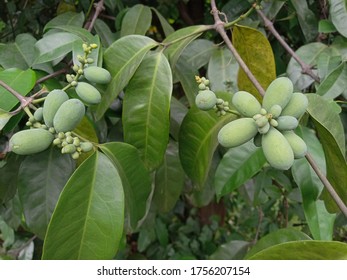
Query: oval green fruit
x=298, y=145
x=237, y=132
x=246, y=104
x=279, y=93
x=88, y=93
x=31, y=141
x=205, y=100
x=51, y=105
x=297, y=105
x=275, y=111
x=86, y=146
x=69, y=115
x=286, y=123
x=277, y=150
x=38, y=115
x=98, y=75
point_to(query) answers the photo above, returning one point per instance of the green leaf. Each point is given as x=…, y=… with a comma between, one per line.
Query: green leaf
x=238, y=165
x=180, y=39
x=248, y=42
x=7, y=234
x=233, y=250
x=68, y=18
x=326, y=63
x=307, y=20
x=104, y=32
x=20, y=54
x=169, y=180
x=41, y=178
x=338, y=13
x=326, y=26
x=177, y=114
x=54, y=46
x=135, y=179
x=87, y=222
x=331, y=134
x=278, y=237
x=82, y=33
x=304, y=250
x=122, y=59
x=167, y=28
x=318, y=219
x=335, y=83
x=9, y=177
x=198, y=53
x=137, y=20
x=198, y=141
x=222, y=71
x=20, y=81
x=4, y=118
x=146, y=106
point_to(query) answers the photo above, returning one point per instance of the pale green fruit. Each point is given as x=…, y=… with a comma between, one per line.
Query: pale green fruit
x=279, y=93
x=296, y=106
x=246, y=104
x=298, y=145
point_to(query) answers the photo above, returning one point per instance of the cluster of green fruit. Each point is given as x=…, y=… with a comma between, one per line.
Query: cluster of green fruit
x=271, y=124
x=59, y=115
x=206, y=99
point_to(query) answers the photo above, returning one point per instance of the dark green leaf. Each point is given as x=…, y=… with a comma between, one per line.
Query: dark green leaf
x=122, y=59
x=8, y=178
x=326, y=63
x=249, y=41
x=167, y=28
x=82, y=33
x=278, y=237
x=137, y=20
x=169, y=180
x=20, y=81
x=222, y=71
x=68, y=18
x=104, y=32
x=338, y=13
x=146, y=105
x=4, y=118
x=304, y=250
x=233, y=250
x=197, y=54
x=135, y=179
x=177, y=114
x=326, y=26
x=7, y=235
x=331, y=134
x=238, y=165
x=198, y=141
x=41, y=179
x=87, y=222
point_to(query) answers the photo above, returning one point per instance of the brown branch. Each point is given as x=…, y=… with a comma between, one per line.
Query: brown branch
x=99, y=7
x=306, y=69
x=54, y=74
x=219, y=27
x=327, y=184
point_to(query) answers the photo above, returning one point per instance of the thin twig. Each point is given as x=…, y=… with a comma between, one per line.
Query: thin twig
x=327, y=184
x=219, y=27
x=306, y=69
x=99, y=7
x=54, y=74
x=260, y=220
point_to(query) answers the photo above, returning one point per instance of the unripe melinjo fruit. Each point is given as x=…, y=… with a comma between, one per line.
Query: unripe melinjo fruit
x=68, y=149
x=86, y=146
x=38, y=115
x=277, y=150
x=264, y=129
x=298, y=145
x=246, y=103
x=69, y=115
x=279, y=93
x=205, y=100
x=286, y=123
x=262, y=121
x=51, y=105
x=275, y=111
x=237, y=132
x=31, y=141
x=97, y=75
x=297, y=105
x=88, y=93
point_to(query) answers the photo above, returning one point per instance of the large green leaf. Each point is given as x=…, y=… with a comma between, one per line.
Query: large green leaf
x=104, y=32
x=135, y=179
x=20, y=81
x=20, y=54
x=146, y=106
x=4, y=118
x=248, y=42
x=335, y=83
x=307, y=20
x=87, y=222
x=8, y=178
x=41, y=179
x=176, y=42
x=197, y=54
x=278, y=237
x=318, y=219
x=167, y=28
x=222, y=70
x=169, y=180
x=198, y=141
x=338, y=13
x=233, y=250
x=238, y=165
x=304, y=250
x=331, y=134
x=78, y=31
x=122, y=59
x=68, y=18
x=54, y=46
x=177, y=114
x=137, y=20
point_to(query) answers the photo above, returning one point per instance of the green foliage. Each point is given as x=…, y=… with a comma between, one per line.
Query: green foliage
x=146, y=177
